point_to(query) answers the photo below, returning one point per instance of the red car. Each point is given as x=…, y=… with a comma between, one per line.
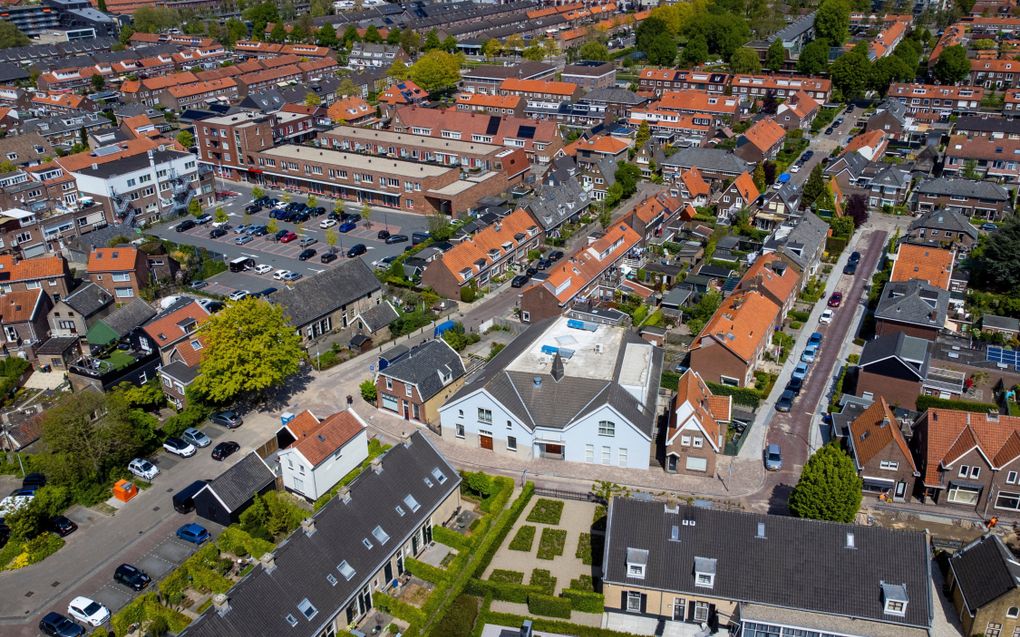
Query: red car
x=287, y=238
x=835, y=299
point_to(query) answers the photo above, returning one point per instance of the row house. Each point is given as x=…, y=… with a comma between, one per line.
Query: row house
x=652, y=214
x=487, y=78
x=739, y=194
x=181, y=39
x=944, y=227
x=590, y=75
x=490, y=104
x=122, y=271
x=543, y=90
x=179, y=98
x=914, y=307
x=156, y=65
x=66, y=80
x=24, y=318
x=417, y=384
x=588, y=151
x=772, y=277
x=43, y=104
x=989, y=127
x=976, y=199
x=698, y=424
x=1011, y=102
x=888, y=38
x=541, y=141
x=698, y=102
x=938, y=100
x=204, y=57
x=780, y=86
x=995, y=74
x=13, y=96
x=493, y=251
x=65, y=130
x=353, y=110
x=659, y=81
x=227, y=143
x=370, y=55
x=49, y=273
x=261, y=80
x=381, y=181
x=989, y=158
x=692, y=128
x=148, y=90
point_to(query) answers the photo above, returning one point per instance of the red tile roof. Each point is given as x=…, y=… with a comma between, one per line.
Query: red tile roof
x=925, y=263
x=112, y=260
x=741, y=324
x=171, y=328
x=32, y=269
x=694, y=400
x=19, y=306
x=951, y=433
x=465, y=256
x=319, y=442
x=765, y=134
x=566, y=279
x=874, y=430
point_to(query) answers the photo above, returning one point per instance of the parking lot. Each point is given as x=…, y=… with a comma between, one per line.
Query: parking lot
x=284, y=256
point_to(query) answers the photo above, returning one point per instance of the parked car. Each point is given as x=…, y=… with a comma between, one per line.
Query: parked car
x=258, y=231
x=850, y=268
x=184, y=500
x=328, y=257
x=836, y=299
x=353, y=217
x=773, y=457
x=808, y=154
x=262, y=268
x=241, y=228
x=228, y=418
x=519, y=280
x=795, y=385
x=801, y=370
x=178, y=447
x=290, y=277
x=809, y=354
x=785, y=402
x=216, y=233
x=419, y=237
x=307, y=241
x=195, y=437
x=34, y=479
x=261, y=294
x=382, y=235
x=238, y=295
x=855, y=257
x=396, y=238
x=224, y=449
x=62, y=525
x=555, y=255
x=327, y=223
x=356, y=250
x=317, y=211
x=826, y=317
x=198, y=284
x=244, y=239
x=194, y=533
x=57, y=625
x=142, y=468
x=280, y=234
x=306, y=254
x=347, y=226
x=989, y=227
x=279, y=274
x=203, y=219
x=134, y=578
x=795, y=168
x=185, y=225
x=287, y=238
x=88, y=611
x=543, y=264
x=815, y=339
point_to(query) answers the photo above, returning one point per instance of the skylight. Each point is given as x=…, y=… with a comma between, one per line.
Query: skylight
x=400, y=510
x=367, y=544
x=428, y=482
x=411, y=503
x=307, y=609
x=345, y=570
x=291, y=620
x=439, y=476
x=380, y=535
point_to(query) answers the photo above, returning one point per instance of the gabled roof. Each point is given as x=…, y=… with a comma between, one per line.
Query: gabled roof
x=913, y=352
x=926, y=263
x=869, y=139
x=599, y=144
x=740, y=324
x=873, y=431
x=951, y=433
x=240, y=482
x=962, y=188
x=319, y=441
x=19, y=306
x=764, y=134
x=88, y=299
x=744, y=185
x=43, y=267
x=513, y=84
x=488, y=245
x=378, y=316
x=314, y=297
x=771, y=274
x=915, y=302
x=985, y=570
x=120, y=322
x=695, y=402
x=708, y=159
x=569, y=277
x=177, y=322
x=430, y=367
x=121, y=259
x=695, y=183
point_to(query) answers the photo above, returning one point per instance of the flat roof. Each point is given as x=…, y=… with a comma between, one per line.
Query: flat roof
x=438, y=144
x=249, y=118
x=584, y=361
x=352, y=160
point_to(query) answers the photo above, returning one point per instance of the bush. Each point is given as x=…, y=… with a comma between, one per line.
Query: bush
x=450, y=537
x=368, y=391
x=505, y=576
x=236, y=542
x=469, y=293
x=549, y=606
x=17, y=555
x=551, y=543
x=506, y=522
x=505, y=591
x=459, y=619
x=741, y=395
x=546, y=511
x=427, y=572
x=543, y=580
x=191, y=416
x=583, y=583
x=398, y=608
x=799, y=315
x=928, y=402
x=523, y=539
x=584, y=549
x=585, y=601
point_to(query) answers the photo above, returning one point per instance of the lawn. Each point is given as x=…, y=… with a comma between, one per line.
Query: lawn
x=546, y=511
x=523, y=539
x=119, y=359
x=551, y=543
x=584, y=549
x=545, y=579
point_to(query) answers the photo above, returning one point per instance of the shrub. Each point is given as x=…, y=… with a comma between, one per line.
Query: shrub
x=546, y=511
x=427, y=572
x=398, y=608
x=523, y=539
x=505, y=576
x=469, y=293
x=583, y=583
x=450, y=537
x=549, y=606
x=505, y=591
x=927, y=402
x=584, y=549
x=368, y=391
x=551, y=543
x=459, y=619
x=191, y=416
x=543, y=580
x=585, y=601
x=236, y=542
x=507, y=521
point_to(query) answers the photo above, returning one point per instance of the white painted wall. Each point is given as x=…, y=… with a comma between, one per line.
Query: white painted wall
x=299, y=476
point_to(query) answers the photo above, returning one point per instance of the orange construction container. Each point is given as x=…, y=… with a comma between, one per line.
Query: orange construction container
x=124, y=490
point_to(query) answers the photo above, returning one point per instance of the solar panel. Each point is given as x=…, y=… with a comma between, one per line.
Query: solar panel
x=1003, y=356
x=493, y=126
x=526, y=132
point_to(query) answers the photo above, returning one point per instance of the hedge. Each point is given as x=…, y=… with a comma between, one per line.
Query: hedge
x=545, y=625
x=507, y=520
x=549, y=606
x=398, y=608
x=929, y=402
x=524, y=539
x=427, y=572
x=585, y=601
x=450, y=538
x=504, y=575
x=146, y=607
x=235, y=541
x=741, y=395
x=505, y=591
x=543, y=580
x=460, y=619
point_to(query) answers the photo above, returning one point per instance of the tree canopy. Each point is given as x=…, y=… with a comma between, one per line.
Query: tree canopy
x=775, y=56
x=814, y=58
x=251, y=347
x=154, y=19
x=952, y=65
x=832, y=21
x=851, y=74
x=593, y=50
x=436, y=71
x=745, y=60
x=829, y=487
x=993, y=264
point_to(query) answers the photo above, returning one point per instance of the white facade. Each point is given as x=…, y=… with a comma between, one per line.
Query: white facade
x=312, y=482
x=152, y=184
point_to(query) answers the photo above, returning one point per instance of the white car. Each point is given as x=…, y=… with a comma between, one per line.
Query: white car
x=327, y=223
x=262, y=268
x=826, y=317
x=795, y=168
x=88, y=611
x=280, y=274
x=179, y=447
x=143, y=469
x=238, y=295
x=220, y=224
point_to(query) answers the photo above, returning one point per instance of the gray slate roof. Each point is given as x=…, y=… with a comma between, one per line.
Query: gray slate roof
x=798, y=564
x=57, y=345
x=795, y=29
x=895, y=108
x=126, y=318
x=88, y=299
x=378, y=316
x=180, y=371
x=613, y=95
x=915, y=302
x=423, y=365
x=552, y=205
x=985, y=571
x=314, y=297
x=1000, y=322
x=963, y=188
x=912, y=351
x=239, y=483
x=947, y=220
x=891, y=176
x=260, y=603
x=975, y=123
x=708, y=159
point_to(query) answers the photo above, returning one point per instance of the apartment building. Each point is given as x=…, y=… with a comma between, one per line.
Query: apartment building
x=937, y=100
x=780, y=86
x=995, y=74
x=227, y=143
x=659, y=80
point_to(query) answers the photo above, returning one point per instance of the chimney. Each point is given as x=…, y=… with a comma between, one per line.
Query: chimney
x=884, y=423
x=377, y=464
x=557, y=368
x=221, y=603
x=268, y=562
x=405, y=439
x=308, y=526
x=345, y=495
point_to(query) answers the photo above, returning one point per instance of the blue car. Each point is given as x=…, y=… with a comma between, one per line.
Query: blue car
x=347, y=226
x=815, y=339
x=194, y=533
x=801, y=370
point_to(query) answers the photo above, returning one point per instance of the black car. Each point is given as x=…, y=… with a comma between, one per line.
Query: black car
x=57, y=625
x=519, y=281
x=260, y=231
x=543, y=264
x=555, y=256
x=264, y=293
x=252, y=208
x=795, y=385
x=306, y=254
x=785, y=402
x=418, y=237
x=131, y=577
x=396, y=238
x=34, y=480
x=850, y=268
x=828, y=131
x=187, y=224
x=328, y=257
x=281, y=234
x=353, y=217
x=224, y=449
x=357, y=249
x=229, y=419
x=855, y=257
x=808, y=154
x=383, y=235
x=62, y=526
x=216, y=233
x=531, y=271
x=317, y=211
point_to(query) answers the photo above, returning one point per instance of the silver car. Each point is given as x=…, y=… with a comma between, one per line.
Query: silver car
x=196, y=437
x=773, y=458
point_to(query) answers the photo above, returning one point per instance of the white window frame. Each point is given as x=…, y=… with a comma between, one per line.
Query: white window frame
x=607, y=428
x=889, y=465
x=632, y=597
x=460, y=430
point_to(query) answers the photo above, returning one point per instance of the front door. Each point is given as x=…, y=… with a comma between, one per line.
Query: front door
x=407, y=415
x=679, y=608
x=388, y=572
x=671, y=464
x=901, y=490
x=485, y=442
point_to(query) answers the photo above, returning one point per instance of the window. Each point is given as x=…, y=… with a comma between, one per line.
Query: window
x=607, y=428
x=963, y=495
x=511, y=443
x=389, y=383
x=400, y=510
x=589, y=453
x=685, y=441
x=291, y=620
x=124, y=293
x=12, y=334
x=380, y=535
x=634, y=602
x=993, y=630
x=411, y=503
x=428, y=482
x=889, y=465
x=623, y=457
x=606, y=453
x=460, y=430
x=331, y=579
x=964, y=470
x=365, y=541
x=121, y=277
x=345, y=570
x=1006, y=500
x=698, y=442
x=485, y=415
x=307, y=609
x=636, y=570
x=439, y=475
x=408, y=390
x=509, y=424
x=1013, y=612
x=701, y=611
x=705, y=580
x=975, y=472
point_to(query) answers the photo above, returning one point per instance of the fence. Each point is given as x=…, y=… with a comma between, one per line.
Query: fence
x=569, y=495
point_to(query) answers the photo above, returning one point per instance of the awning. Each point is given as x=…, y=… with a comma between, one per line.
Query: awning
x=963, y=484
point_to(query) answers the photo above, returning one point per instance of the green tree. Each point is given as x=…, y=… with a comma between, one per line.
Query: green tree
x=814, y=58
x=643, y=134
x=993, y=264
x=261, y=15
x=257, y=193
x=775, y=56
x=605, y=217
x=372, y=34
x=331, y=239
x=251, y=347
x=311, y=99
x=696, y=51
x=491, y=48
x=662, y=50
x=185, y=139
x=815, y=185
x=888, y=70
x=593, y=50
x=366, y=214
x=368, y=391
x=851, y=74
x=235, y=30
x=393, y=37
x=154, y=19
x=829, y=487
x=195, y=208
x=759, y=177
x=320, y=8
x=410, y=42
x=628, y=175
x=970, y=170
x=350, y=36
x=220, y=215
x=535, y=53
x=649, y=29
x=312, y=201
x=449, y=44
x=278, y=33
x=272, y=226
x=832, y=21
x=98, y=82
x=327, y=36
x=745, y=60
x=436, y=71
x=124, y=37
x=952, y=65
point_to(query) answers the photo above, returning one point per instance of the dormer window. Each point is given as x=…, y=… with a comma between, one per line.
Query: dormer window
x=637, y=562
x=704, y=572
x=894, y=598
